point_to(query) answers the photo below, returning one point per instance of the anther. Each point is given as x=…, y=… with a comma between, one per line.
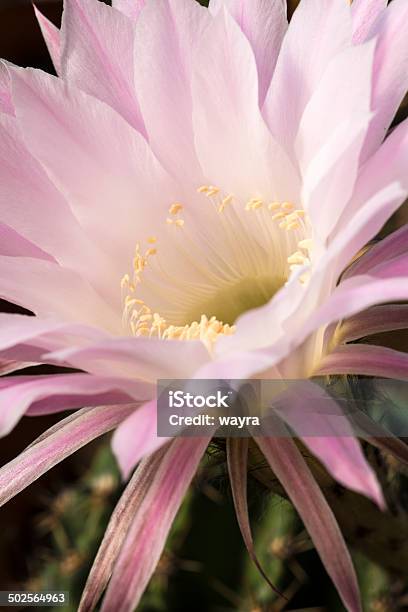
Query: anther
x=175, y=208
x=293, y=226
x=212, y=191
x=279, y=215
x=306, y=244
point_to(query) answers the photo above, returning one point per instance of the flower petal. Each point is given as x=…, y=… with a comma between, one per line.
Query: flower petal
x=117, y=530
x=264, y=23
x=14, y=245
x=237, y=458
x=96, y=159
x=289, y=466
x=329, y=156
x=165, y=36
x=130, y=8
x=390, y=71
x=343, y=91
x=6, y=102
x=49, y=290
x=364, y=14
x=97, y=55
x=330, y=436
x=365, y=360
x=45, y=334
x=318, y=30
x=136, y=437
x=48, y=394
x=387, y=166
x=331, y=175
x=375, y=320
x=363, y=226
x=145, y=540
x=145, y=358
x=230, y=133
x=57, y=443
x=52, y=38
x=391, y=246
x=354, y=295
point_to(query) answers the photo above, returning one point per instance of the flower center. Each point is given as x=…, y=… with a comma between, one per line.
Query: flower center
x=206, y=269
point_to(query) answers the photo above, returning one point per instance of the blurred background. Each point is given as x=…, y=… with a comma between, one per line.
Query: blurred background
x=50, y=532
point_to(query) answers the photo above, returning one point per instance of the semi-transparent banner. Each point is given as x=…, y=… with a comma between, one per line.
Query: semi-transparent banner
x=238, y=408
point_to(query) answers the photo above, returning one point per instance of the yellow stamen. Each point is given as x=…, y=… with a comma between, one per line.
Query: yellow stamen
x=279, y=215
x=293, y=226
x=306, y=244
x=175, y=208
x=212, y=191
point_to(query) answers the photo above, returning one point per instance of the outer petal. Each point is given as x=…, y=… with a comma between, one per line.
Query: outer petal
x=51, y=291
x=14, y=245
x=392, y=246
x=289, y=466
x=376, y=320
x=318, y=30
x=57, y=443
x=45, y=334
x=165, y=36
x=97, y=55
x=103, y=166
x=230, y=133
x=390, y=71
x=237, y=458
x=329, y=435
x=366, y=360
x=264, y=23
x=363, y=226
x=130, y=8
x=145, y=540
x=331, y=133
x=329, y=179
x=388, y=165
x=354, y=295
x=344, y=90
x=365, y=13
x=27, y=194
x=136, y=437
x=52, y=38
x=117, y=530
x=68, y=390
x=145, y=358
x=6, y=103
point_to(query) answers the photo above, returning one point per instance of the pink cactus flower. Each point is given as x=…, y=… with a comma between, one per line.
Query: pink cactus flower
x=184, y=201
